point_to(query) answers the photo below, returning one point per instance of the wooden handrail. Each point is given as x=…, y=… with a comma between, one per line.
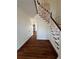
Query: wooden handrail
x=50, y=15
x=55, y=21
x=42, y=7
x=35, y=6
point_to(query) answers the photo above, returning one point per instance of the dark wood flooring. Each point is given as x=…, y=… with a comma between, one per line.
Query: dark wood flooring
x=36, y=49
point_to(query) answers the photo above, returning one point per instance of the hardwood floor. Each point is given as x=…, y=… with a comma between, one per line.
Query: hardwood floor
x=36, y=49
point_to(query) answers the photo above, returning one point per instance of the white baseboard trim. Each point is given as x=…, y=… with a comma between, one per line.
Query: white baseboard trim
x=24, y=42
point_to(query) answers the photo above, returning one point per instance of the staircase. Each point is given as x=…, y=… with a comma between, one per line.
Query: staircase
x=54, y=28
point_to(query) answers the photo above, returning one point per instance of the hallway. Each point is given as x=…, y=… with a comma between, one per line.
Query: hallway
x=36, y=49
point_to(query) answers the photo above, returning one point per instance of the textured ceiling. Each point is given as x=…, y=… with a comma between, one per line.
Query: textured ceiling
x=27, y=6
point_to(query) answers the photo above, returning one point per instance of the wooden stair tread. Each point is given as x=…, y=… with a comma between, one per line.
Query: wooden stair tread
x=36, y=49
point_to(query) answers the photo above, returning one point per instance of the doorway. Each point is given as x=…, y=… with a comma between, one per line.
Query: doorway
x=34, y=29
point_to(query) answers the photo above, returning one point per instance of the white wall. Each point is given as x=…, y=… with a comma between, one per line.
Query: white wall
x=42, y=28
x=55, y=8
x=25, y=11
x=24, y=28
